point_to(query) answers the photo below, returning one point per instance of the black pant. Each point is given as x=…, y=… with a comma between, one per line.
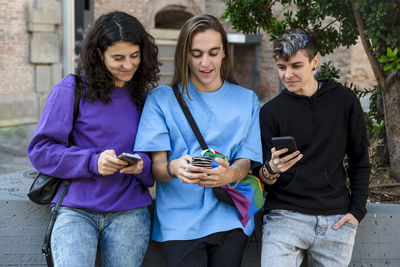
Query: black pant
x=215, y=250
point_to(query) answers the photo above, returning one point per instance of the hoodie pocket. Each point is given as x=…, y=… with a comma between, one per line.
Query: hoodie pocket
x=313, y=190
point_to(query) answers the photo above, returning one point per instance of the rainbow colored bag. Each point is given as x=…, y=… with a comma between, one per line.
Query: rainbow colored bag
x=247, y=197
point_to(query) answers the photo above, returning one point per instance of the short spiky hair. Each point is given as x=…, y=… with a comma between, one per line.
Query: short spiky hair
x=294, y=40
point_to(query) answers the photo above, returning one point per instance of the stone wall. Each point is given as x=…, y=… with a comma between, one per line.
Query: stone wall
x=146, y=10
x=30, y=57
x=24, y=223
x=17, y=77
x=352, y=62
x=361, y=72
x=30, y=52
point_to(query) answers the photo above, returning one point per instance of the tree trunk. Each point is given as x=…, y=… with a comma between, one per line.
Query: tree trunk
x=381, y=156
x=391, y=101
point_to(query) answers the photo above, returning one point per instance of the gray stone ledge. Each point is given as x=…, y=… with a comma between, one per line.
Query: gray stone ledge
x=21, y=108
x=23, y=225
x=40, y=27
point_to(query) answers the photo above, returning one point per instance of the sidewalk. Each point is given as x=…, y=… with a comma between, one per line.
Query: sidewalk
x=13, y=143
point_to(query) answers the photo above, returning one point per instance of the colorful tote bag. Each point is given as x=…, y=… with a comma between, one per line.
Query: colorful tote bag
x=247, y=197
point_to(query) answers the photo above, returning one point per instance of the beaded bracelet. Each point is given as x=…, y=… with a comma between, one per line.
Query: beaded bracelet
x=267, y=175
x=169, y=169
x=238, y=180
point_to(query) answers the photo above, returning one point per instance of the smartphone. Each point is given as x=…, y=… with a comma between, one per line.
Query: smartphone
x=284, y=142
x=131, y=159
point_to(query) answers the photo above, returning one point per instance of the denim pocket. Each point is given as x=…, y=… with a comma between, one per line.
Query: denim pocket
x=351, y=225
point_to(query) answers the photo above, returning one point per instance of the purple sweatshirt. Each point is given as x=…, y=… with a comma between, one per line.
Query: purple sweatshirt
x=98, y=127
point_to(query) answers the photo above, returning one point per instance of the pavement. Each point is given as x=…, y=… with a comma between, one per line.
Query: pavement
x=13, y=144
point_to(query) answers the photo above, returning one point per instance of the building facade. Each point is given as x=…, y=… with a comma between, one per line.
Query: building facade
x=30, y=49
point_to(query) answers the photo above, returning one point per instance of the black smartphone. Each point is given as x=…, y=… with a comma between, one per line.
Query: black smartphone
x=131, y=159
x=282, y=142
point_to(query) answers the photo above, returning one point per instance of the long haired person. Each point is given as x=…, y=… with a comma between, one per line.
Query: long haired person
x=195, y=228
x=105, y=206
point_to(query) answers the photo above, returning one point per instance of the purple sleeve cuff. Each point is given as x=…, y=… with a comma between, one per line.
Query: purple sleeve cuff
x=145, y=177
x=93, y=163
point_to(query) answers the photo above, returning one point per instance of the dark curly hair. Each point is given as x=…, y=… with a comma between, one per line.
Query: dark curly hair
x=107, y=29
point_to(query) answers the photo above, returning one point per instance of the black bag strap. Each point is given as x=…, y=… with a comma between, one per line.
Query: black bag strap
x=189, y=117
x=46, y=243
x=220, y=193
x=78, y=91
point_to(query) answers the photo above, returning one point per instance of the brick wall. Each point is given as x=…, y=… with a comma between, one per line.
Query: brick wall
x=26, y=85
x=17, y=75
x=145, y=10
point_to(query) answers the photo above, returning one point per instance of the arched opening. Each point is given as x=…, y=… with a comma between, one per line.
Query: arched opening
x=172, y=17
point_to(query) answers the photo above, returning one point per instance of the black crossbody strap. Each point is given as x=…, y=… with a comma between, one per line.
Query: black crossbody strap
x=220, y=193
x=46, y=243
x=189, y=117
x=78, y=91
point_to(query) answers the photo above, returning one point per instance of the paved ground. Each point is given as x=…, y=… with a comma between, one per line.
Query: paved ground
x=13, y=143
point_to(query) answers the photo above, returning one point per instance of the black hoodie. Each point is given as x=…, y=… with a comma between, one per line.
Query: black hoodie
x=326, y=127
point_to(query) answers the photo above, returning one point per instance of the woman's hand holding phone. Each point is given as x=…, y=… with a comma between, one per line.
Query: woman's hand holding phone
x=108, y=163
x=133, y=169
x=134, y=161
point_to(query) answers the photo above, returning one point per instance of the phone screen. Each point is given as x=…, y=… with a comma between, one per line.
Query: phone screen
x=131, y=159
x=284, y=142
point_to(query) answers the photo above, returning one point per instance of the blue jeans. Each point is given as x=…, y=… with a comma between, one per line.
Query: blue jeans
x=121, y=237
x=288, y=235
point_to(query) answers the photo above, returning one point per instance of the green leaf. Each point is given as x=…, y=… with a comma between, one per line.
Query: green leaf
x=395, y=51
x=378, y=127
x=398, y=67
x=384, y=59
x=388, y=66
x=390, y=52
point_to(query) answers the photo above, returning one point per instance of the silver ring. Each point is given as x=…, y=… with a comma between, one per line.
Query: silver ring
x=186, y=170
x=209, y=178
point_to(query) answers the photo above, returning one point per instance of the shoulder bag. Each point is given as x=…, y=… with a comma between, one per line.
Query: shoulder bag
x=45, y=187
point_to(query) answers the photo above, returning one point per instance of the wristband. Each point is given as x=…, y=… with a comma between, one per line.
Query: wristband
x=269, y=169
x=169, y=169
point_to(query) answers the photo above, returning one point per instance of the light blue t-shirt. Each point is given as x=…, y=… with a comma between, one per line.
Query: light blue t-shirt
x=228, y=120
